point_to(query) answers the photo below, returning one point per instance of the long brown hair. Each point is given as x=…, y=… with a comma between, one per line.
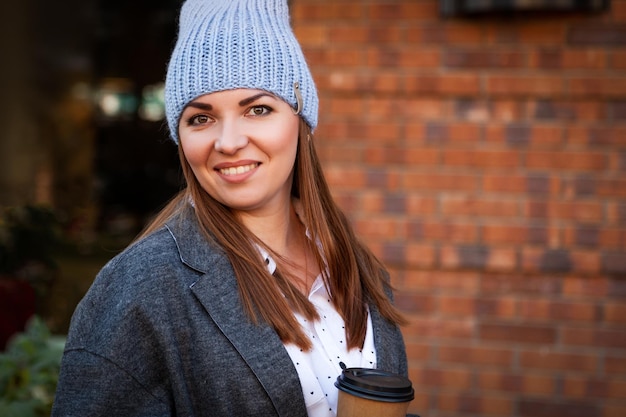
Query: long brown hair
x=355, y=277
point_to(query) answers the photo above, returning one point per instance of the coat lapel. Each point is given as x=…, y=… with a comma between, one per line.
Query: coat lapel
x=258, y=344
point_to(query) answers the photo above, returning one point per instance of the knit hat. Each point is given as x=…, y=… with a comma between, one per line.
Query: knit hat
x=228, y=44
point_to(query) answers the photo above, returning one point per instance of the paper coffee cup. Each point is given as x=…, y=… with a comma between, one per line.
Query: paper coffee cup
x=367, y=392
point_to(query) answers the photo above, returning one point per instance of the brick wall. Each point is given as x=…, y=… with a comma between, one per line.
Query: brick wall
x=484, y=161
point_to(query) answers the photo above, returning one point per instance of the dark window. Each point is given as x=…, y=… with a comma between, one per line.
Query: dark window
x=479, y=7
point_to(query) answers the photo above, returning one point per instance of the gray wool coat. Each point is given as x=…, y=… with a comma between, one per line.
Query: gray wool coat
x=162, y=332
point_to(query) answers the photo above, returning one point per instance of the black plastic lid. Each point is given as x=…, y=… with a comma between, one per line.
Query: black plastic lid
x=375, y=384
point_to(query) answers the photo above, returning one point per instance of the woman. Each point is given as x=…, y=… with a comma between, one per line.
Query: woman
x=249, y=291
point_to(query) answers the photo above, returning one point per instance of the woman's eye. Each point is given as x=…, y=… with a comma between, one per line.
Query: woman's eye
x=199, y=119
x=259, y=110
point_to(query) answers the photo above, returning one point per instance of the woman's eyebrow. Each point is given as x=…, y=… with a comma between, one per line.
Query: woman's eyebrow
x=249, y=100
x=199, y=105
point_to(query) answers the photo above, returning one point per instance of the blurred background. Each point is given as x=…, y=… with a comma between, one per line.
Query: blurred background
x=479, y=147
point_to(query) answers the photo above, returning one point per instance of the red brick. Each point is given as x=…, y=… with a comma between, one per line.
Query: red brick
x=421, y=205
x=423, y=109
x=546, y=137
x=606, y=86
x=482, y=159
x=446, y=32
x=347, y=34
x=402, y=11
x=515, y=383
x=547, y=360
x=418, y=352
x=590, y=288
x=613, y=238
x=439, y=182
x=342, y=153
x=615, y=312
x=543, y=285
x=596, y=337
x=580, y=161
x=502, y=259
x=613, y=410
x=556, y=58
x=514, y=184
x=499, y=234
x=457, y=232
x=422, y=58
x=600, y=33
x=464, y=132
x=475, y=355
x=530, y=407
x=422, y=156
x=460, y=206
x=516, y=333
x=531, y=259
x=378, y=133
x=340, y=176
x=541, y=32
x=403, y=58
x=456, y=306
x=441, y=329
x=344, y=57
x=346, y=81
x=449, y=282
x=597, y=136
x=384, y=34
x=615, y=365
x=414, y=303
x=468, y=404
x=581, y=211
x=382, y=156
x=568, y=110
x=325, y=11
x=612, y=187
x=472, y=110
x=614, y=262
x=507, y=110
x=480, y=58
x=504, y=307
x=616, y=213
x=585, y=387
x=346, y=107
x=587, y=262
x=311, y=34
x=446, y=378
x=420, y=255
x=618, y=59
x=378, y=227
x=558, y=311
x=448, y=84
x=541, y=86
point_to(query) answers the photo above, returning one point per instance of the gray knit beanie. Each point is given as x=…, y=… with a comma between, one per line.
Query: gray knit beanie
x=228, y=44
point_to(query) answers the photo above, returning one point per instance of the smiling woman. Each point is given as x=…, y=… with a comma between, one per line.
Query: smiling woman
x=249, y=292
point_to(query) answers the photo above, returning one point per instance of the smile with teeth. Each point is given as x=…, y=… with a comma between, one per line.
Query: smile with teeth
x=238, y=170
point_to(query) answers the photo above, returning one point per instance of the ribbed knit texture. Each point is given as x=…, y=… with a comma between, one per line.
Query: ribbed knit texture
x=228, y=44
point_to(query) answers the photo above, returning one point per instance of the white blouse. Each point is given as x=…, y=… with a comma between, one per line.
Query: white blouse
x=318, y=369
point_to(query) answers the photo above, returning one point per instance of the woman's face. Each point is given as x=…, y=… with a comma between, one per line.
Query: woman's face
x=241, y=145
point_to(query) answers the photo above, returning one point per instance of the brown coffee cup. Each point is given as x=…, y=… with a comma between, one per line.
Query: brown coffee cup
x=367, y=392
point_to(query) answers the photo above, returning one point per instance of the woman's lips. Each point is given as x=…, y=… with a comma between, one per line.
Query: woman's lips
x=237, y=170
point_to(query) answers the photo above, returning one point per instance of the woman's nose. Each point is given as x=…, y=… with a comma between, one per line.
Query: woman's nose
x=231, y=138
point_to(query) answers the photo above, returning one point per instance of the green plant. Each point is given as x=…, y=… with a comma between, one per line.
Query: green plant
x=29, y=371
